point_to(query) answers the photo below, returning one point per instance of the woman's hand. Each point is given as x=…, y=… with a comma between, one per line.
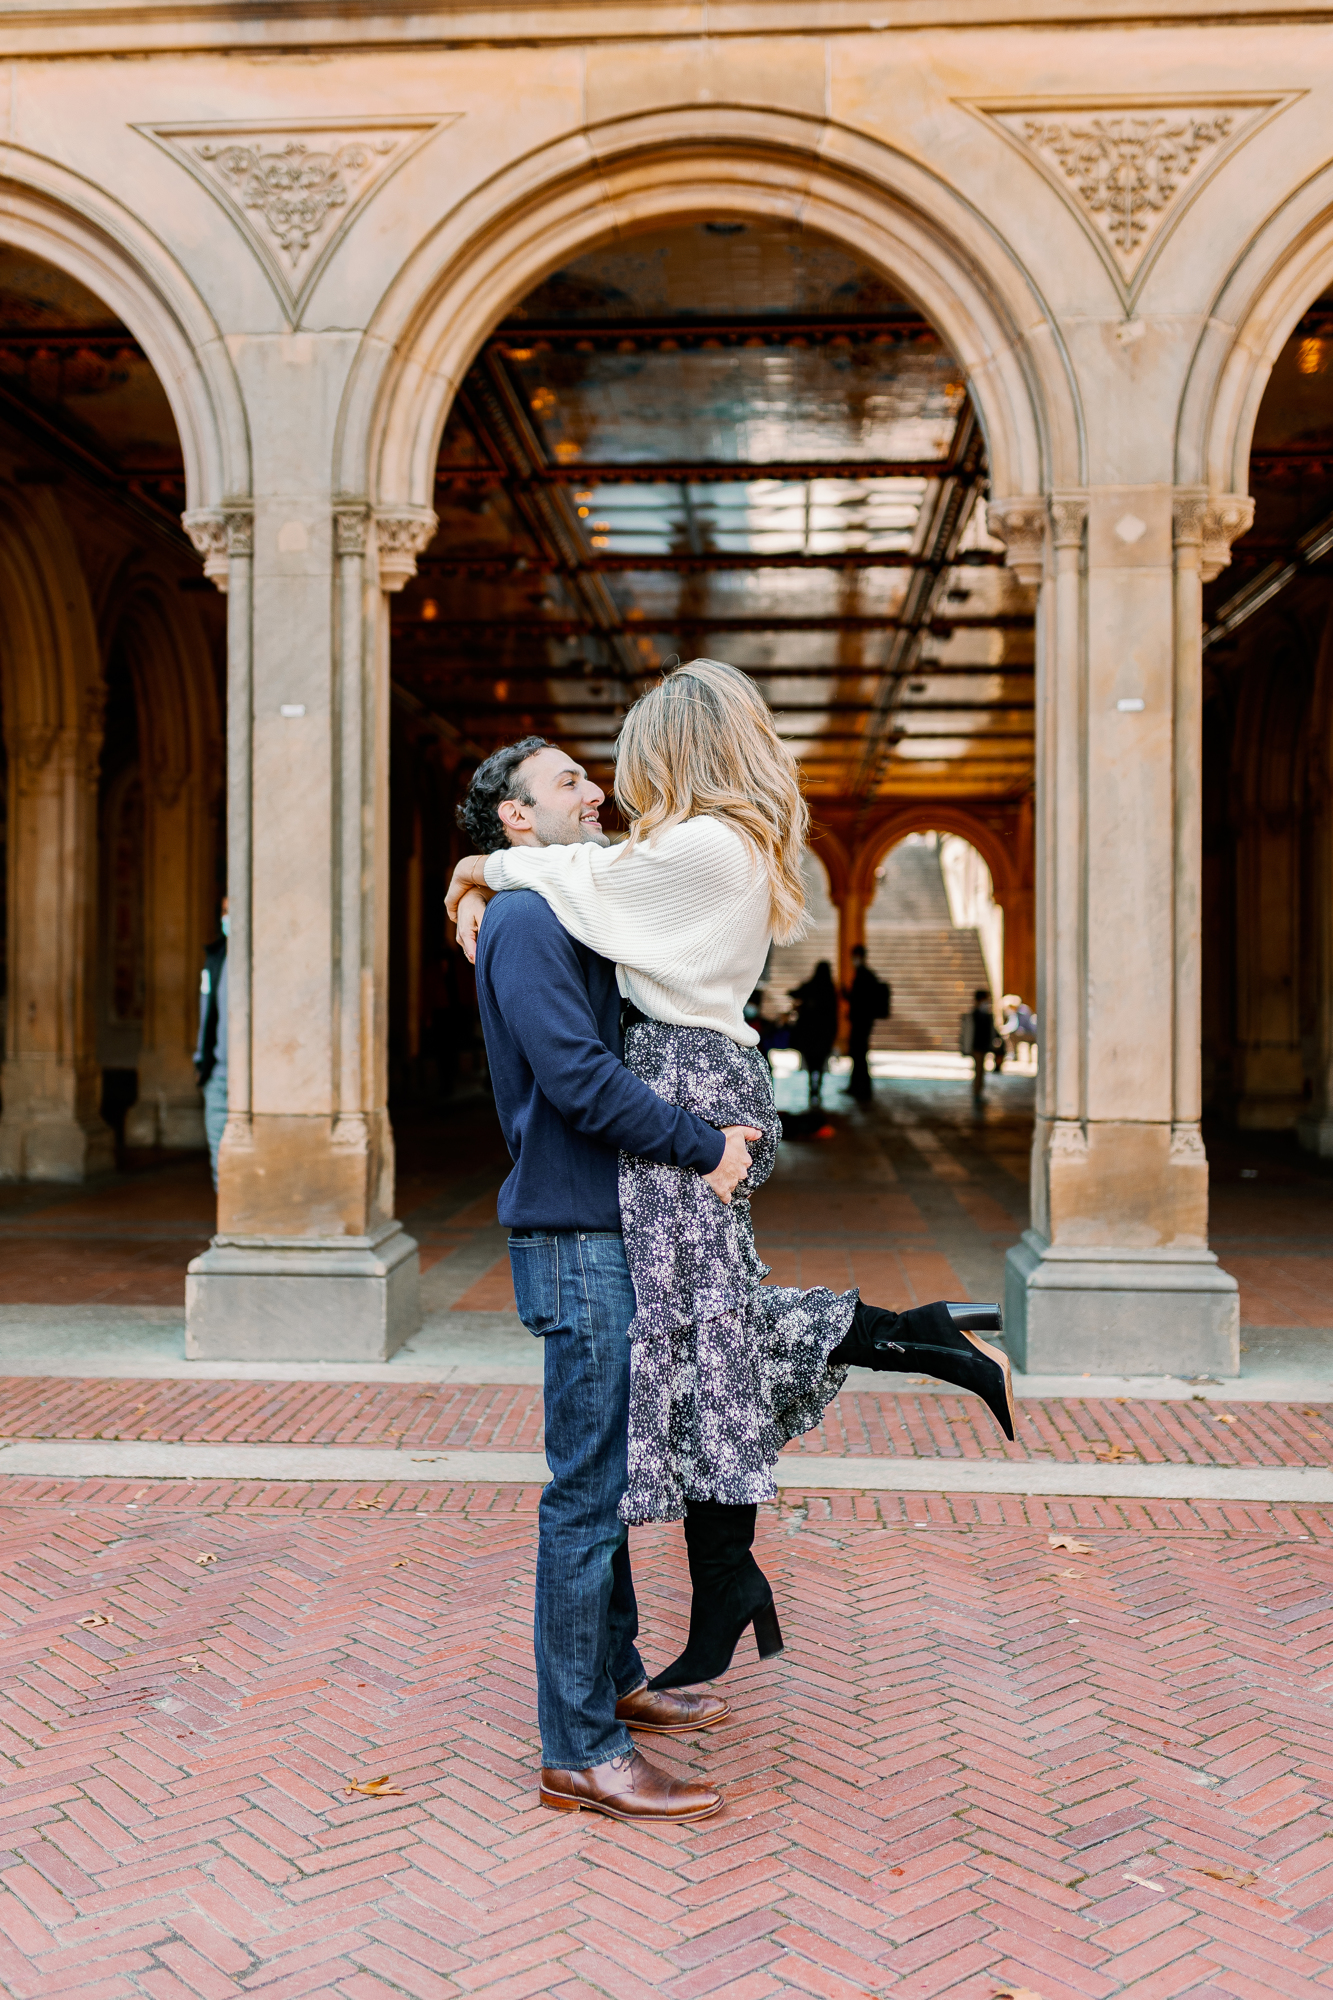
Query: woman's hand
x=469, y=873
x=468, y=921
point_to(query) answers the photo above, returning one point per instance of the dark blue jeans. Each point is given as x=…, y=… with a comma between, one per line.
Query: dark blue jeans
x=573, y=1289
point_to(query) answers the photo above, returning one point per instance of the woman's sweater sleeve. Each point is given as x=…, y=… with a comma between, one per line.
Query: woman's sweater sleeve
x=632, y=905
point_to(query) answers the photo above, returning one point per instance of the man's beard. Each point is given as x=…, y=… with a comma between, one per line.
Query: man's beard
x=553, y=830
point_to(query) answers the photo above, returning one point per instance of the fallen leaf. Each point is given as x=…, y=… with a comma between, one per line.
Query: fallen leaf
x=426, y=1461
x=401, y=1563
x=1071, y=1572
x=1225, y=1420
x=205, y=1559
x=375, y=1788
x=1017, y=1993
x=364, y=1504
x=189, y=1660
x=1068, y=1543
x=1241, y=1877
x=1142, y=1882
x=1112, y=1451
x=94, y=1618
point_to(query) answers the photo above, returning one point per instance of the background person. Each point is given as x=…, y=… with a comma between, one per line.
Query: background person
x=210, y=1054
x=816, y=1027
x=867, y=1002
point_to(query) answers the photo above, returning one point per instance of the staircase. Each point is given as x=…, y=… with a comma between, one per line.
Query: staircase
x=934, y=970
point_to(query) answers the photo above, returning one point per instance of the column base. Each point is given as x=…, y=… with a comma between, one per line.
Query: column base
x=175, y=1127
x=55, y=1149
x=346, y=1298
x=1089, y=1311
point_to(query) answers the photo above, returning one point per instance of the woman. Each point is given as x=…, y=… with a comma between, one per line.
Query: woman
x=816, y=1024
x=724, y=1369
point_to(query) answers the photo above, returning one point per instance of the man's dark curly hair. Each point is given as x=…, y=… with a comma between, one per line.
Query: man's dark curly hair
x=495, y=780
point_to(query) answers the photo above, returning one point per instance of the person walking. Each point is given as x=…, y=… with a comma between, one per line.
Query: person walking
x=550, y=1013
x=979, y=1030
x=868, y=1000
x=816, y=1025
x=725, y=1369
x=210, y=1053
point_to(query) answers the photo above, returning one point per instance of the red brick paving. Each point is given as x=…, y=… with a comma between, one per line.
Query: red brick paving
x=860, y=1423
x=970, y=1747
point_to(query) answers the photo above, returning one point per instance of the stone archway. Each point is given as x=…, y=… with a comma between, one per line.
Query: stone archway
x=677, y=165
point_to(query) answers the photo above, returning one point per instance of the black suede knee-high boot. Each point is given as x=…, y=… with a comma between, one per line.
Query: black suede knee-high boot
x=730, y=1592
x=939, y=1339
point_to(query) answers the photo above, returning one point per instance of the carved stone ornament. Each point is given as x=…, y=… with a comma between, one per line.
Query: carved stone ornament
x=1227, y=516
x=401, y=533
x=1021, y=525
x=1129, y=167
x=1069, y=1142
x=218, y=533
x=294, y=187
x=1069, y=518
x=1187, y=1148
x=351, y=525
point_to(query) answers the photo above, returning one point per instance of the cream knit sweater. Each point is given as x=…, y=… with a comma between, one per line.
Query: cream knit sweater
x=685, y=916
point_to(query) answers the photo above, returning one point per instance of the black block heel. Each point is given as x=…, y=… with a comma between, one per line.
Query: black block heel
x=767, y=1631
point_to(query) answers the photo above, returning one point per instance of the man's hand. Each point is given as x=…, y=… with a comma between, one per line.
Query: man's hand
x=469, y=873
x=734, y=1165
x=467, y=922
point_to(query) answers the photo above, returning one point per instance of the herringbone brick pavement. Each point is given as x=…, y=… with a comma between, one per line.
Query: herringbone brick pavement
x=984, y=1764
x=508, y=1417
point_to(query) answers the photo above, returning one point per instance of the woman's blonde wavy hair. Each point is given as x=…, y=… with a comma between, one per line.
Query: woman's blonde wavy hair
x=703, y=741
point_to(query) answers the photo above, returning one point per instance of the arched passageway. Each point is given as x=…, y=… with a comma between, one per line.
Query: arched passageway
x=728, y=437
x=111, y=648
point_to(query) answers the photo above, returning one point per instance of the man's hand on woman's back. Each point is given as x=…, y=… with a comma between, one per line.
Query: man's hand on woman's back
x=734, y=1165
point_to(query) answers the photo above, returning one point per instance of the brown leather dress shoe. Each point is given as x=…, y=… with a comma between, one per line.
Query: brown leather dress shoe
x=631, y=1788
x=670, y=1711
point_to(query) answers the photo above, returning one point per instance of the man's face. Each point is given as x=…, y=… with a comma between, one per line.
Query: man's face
x=564, y=804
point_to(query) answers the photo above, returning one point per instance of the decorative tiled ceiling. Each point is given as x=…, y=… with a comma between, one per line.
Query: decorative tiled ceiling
x=732, y=440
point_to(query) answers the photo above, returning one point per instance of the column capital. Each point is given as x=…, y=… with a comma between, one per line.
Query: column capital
x=1069, y=519
x=218, y=534
x=351, y=526
x=1020, y=523
x=401, y=533
x=1209, y=522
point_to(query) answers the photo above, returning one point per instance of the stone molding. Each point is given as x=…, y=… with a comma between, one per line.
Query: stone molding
x=294, y=186
x=1068, y=1141
x=351, y=527
x=401, y=533
x=218, y=534
x=1020, y=524
x=1129, y=167
x=1187, y=1148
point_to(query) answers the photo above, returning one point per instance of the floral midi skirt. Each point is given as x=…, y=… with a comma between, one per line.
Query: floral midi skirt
x=724, y=1370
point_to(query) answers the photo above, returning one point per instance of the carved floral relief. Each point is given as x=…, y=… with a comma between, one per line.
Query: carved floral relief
x=295, y=189
x=1130, y=167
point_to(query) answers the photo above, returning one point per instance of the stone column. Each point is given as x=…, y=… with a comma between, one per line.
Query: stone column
x=1115, y=1275
x=52, y=1129
x=309, y=1262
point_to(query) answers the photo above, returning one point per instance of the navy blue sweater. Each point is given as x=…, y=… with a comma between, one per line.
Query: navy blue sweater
x=550, y=1012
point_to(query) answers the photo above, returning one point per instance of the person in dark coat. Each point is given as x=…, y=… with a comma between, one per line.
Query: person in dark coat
x=863, y=1004
x=983, y=1038
x=816, y=1024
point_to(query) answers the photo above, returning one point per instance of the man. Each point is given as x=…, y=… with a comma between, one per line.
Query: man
x=210, y=1054
x=550, y=1012
x=865, y=999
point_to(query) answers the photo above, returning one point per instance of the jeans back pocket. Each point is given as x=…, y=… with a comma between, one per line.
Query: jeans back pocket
x=535, y=1263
